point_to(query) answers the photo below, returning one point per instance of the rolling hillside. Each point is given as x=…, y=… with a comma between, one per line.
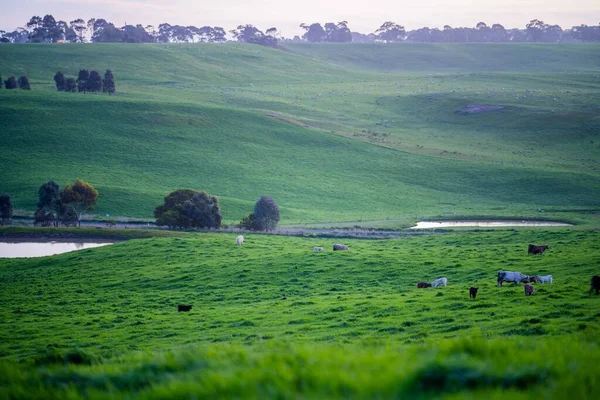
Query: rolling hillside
x=333, y=133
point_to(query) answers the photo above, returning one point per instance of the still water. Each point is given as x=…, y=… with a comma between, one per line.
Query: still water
x=40, y=249
x=499, y=223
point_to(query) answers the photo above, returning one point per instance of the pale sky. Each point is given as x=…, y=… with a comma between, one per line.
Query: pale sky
x=362, y=16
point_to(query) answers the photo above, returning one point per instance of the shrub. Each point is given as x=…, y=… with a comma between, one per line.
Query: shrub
x=266, y=214
x=6, y=209
x=24, y=83
x=10, y=83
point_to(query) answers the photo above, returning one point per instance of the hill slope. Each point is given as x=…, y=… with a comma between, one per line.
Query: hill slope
x=242, y=121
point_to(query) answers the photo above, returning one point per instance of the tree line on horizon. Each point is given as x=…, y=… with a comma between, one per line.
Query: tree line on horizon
x=49, y=30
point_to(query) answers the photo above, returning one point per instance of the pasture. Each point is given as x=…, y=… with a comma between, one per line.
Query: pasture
x=337, y=134
x=104, y=322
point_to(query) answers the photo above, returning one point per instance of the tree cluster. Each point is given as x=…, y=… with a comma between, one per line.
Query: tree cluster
x=66, y=205
x=332, y=32
x=251, y=34
x=12, y=83
x=185, y=208
x=87, y=81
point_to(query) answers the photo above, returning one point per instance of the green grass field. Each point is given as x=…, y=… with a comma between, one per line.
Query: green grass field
x=333, y=133
x=103, y=322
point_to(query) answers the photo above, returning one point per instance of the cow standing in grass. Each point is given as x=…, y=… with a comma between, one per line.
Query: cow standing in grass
x=239, y=240
x=535, y=249
x=473, y=292
x=439, y=282
x=529, y=290
x=511, y=276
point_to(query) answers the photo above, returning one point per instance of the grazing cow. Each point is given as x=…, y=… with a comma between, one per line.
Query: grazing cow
x=317, y=249
x=422, y=285
x=595, y=284
x=544, y=279
x=473, y=292
x=184, y=308
x=528, y=290
x=439, y=282
x=337, y=247
x=510, y=276
x=534, y=249
x=239, y=240
x=532, y=279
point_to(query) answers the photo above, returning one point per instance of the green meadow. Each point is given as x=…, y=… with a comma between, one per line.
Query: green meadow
x=275, y=319
x=335, y=133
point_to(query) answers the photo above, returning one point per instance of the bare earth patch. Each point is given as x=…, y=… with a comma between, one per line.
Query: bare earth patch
x=477, y=108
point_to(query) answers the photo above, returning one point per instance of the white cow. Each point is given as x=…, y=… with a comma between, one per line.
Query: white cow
x=510, y=276
x=545, y=279
x=239, y=240
x=317, y=249
x=439, y=282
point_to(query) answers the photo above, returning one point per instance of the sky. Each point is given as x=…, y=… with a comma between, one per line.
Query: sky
x=362, y=16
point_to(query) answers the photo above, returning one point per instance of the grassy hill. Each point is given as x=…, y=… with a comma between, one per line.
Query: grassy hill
x=333, y=133
x=352, y=324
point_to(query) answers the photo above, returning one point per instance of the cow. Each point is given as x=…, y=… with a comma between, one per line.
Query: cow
x=544, y=279
x=317, y=249
x=184, y=308
x=439, y=282
x=422, y=285
x=535, y=249
x=510, y=276
x=337, y=247
x=239, y=240
x=528, y=290
x=532, y=279
x=595, y=284
x=473, y=292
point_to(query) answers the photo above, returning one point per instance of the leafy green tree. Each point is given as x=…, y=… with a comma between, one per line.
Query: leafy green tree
x=108, y=83
x=266, y=214
x=81, y=197
x=170, y=213
x=43, y=218
x=94, y=82
x=79, y=27
x=314, y=33
x=70, y=85
x=6, y=209
x=82, y=79
x=49, y=204
x=391, y=32
x=203, y=211
x=10, y=83
x=59, y=79
x=23, y=83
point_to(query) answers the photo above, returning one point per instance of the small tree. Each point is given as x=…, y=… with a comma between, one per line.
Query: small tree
x=70, y=85
x=248, y=222
x=24, y=83
x=81, y=197
x=6, y=209
x=59, y=79
x=266, y=214
x=94, y=82
x=82, y=79
x=108, y=84
x=170, y=213
x=10, y=83
x=49, y=204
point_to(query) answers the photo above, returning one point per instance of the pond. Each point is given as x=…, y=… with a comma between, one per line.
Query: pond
x=488, y=223
x=16, y=249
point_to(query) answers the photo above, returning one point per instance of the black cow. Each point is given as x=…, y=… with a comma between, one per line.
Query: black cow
x=184, y=308
x=473, y=292
x=595, y=284
x=535, y=249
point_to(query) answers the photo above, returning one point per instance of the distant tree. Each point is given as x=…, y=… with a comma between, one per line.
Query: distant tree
x=203, y=211
x=251, y=34
x=59, y=79
x=70, y=85
x=391, y=32
x=82, y=79
x=338, y=33
x=535, y=30
x=49, y=204
x=81, y=197
x=170, y=213
x=314, y=33
x=23, y=83
x=10, y=83
x=498, y=33
x=43, y=218
x=79, y=27
x=248, y=222
x=6, y=209
x=136, y=34
x=483, y=32
x=67, y=215
x=68, y=33
x=108, y=83
x=94, y=82
x=266, y=214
